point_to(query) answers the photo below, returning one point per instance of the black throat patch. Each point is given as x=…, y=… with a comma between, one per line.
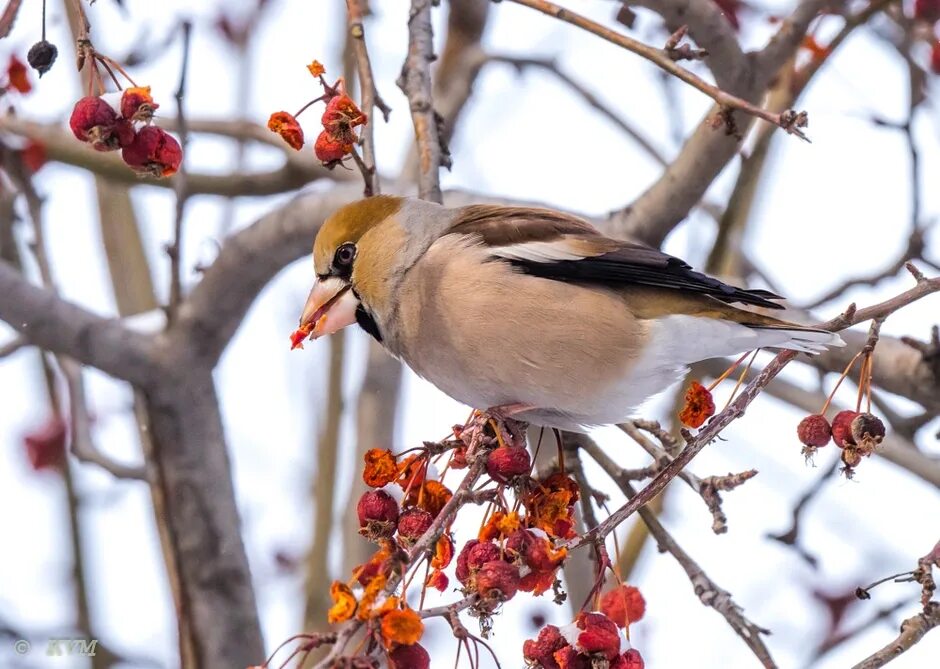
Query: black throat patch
x=367, y=323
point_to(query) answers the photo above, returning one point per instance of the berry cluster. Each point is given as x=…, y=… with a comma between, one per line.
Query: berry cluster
x=337, y=138
x=856, y=433
x=520, y=546
x=122, y=120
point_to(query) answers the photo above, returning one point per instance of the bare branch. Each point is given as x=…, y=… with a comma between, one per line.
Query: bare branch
x=181, y=186
x=82, y=444
x=415, y=83
x=57, y=325
x=707, y=591
x=789, y=121
x=912, y=630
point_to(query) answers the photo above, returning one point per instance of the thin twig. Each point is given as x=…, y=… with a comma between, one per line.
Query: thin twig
x=912, y=630
x=369, y=95
x=788, y=120
x=707, y=591
x=175, y=250
x=737, y=408
x=415, y=83
x=82, y=443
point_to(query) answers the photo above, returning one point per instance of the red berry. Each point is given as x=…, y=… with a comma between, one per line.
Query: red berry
x=341, y=116
x=542, y=650
x=472, y=556
x=154, y=151
x=927, y=10
x=45, y=447
x=505, y=463
x=378, y=514
x=412, y=524
x=600, y=635
x=137, y=105
x=935, y=57
x=94, y=121
x=329, y=149
x=497, y=581
x=814, y=431
x=288, y=128
x=409, y=657
x=842, y=428
x=629, y=660
x=624, y=605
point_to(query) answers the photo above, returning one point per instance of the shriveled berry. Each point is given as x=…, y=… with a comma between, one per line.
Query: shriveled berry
x=497, y=581
x=378, y=514
x=842, y=428
x=328, y=149
x=851, y=457
x=342, y=115
x=629, y=660
x=413, y=656
x=505, y=463
x=624, y=605
x=540, y=652
x=412, y=524
x=94, y=121
x=472, y=556
x=137, y=104
x=867, y=429
x=600, y=635
x=814, y=431
x=285, y=125
x=154, y=151
x=41, y=56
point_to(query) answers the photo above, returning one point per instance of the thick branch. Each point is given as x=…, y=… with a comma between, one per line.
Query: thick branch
x=912, y=630
x=62, y=327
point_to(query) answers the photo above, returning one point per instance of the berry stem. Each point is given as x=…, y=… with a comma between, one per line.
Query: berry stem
x=845, y=372
x=725, y=374
x=741, y=377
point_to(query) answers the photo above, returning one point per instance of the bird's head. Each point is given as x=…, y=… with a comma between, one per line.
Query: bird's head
x=360, y=254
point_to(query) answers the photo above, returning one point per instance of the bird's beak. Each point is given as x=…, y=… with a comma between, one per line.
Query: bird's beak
x=330, y=307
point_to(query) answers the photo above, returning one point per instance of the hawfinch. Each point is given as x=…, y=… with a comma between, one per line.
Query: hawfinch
x=529, y=312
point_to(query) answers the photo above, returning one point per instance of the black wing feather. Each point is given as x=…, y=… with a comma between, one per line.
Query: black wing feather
x=637, y=265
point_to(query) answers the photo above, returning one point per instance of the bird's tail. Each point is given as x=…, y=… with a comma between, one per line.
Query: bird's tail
x=796, y=338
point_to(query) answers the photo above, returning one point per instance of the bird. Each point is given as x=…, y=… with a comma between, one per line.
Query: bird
x=530, y=313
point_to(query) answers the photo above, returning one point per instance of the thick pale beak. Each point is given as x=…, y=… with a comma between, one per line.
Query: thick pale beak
x=330, y=307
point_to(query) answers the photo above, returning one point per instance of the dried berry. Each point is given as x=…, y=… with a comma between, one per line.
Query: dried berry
x=17, y=77
x=842, y=428
x=851, y=457
x=497, y=581
x=96, y=122
x=541, y=651
x=814, y=431
x=600, y=635
x=699, y=406
x=41, y=56
x=137, y=105
x=629, y=660
x=341, y=116
x=288, y=128
x=935, y=57
x=505, y=463
x=409, y=657
x=154, y=151
x=624, y=605
x=412, y=524
x=474, y=555
x=330, y=150
x=867, y=431
x=378, y=514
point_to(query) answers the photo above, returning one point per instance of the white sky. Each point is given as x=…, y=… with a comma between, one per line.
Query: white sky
x=834, y=208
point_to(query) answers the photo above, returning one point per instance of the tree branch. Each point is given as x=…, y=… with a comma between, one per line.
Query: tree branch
x=51, y=323
x=415, y=83
x=912, y=630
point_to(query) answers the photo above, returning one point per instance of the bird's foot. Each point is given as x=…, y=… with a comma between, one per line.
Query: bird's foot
x=508, y=430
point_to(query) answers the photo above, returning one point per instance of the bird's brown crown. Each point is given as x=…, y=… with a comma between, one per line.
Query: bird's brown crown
x=349, y=223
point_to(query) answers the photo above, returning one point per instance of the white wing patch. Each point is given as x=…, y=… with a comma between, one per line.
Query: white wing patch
x=553, y=251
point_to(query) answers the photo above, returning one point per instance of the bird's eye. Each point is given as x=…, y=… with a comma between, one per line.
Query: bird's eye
x=345, y=254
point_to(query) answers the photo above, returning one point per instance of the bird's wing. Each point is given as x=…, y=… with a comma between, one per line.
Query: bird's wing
x=561, y=247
